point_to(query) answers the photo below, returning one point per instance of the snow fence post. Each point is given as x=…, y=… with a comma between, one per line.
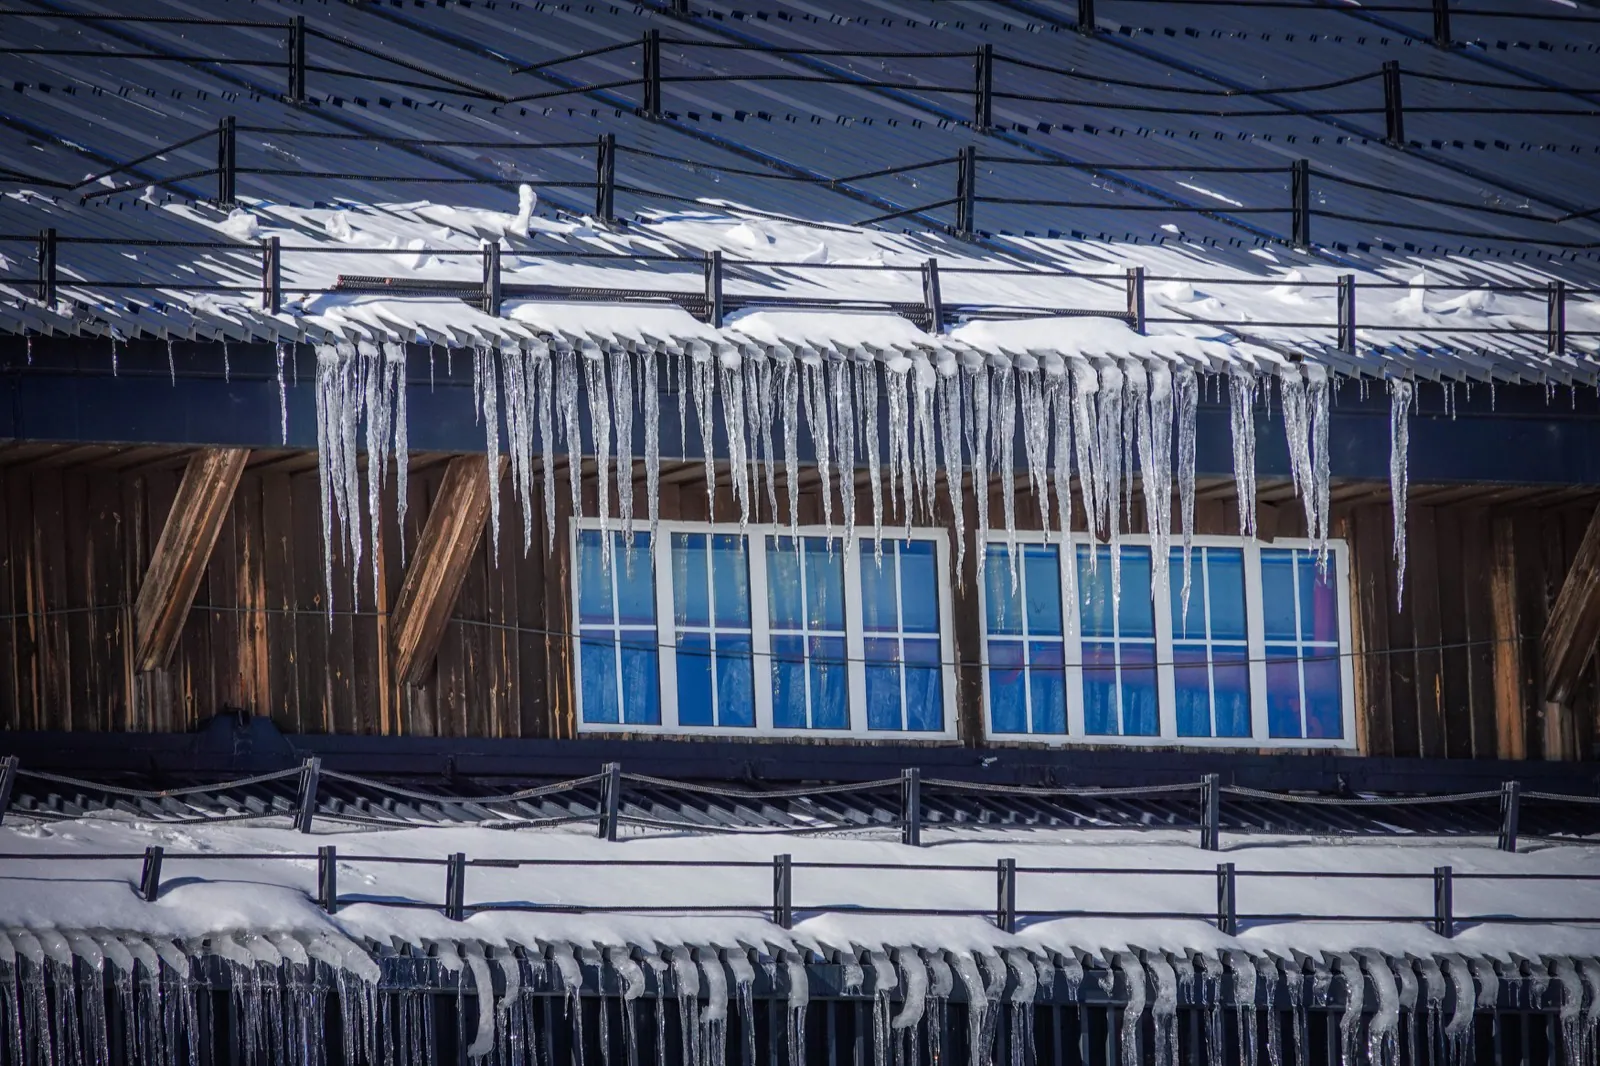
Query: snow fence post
x=227, y=162
x=1510, y=811
x=47, y=266
x=650, y=72
x=1300, y=204
x=966, y=190
x=1005, y=911
x=1136, y=299
x=713, y=265
x=310, y=770
x=983, y=87
x=1086, y=17
x=931, y=300
x=491, y=278
x=605, y=178
x=150, y=878
x=271, y=276
x=1394, y=112
x=1555, y=332
x=297, y=59
x=782, y=892
x=1227, y=899
x=610, y=799
x=8, y=780
x=1441, y=23
x=1347, y=314
x=455, y=887
x=910, y=807
x=1444, y=921
x=328, y=878
x=1210, y=813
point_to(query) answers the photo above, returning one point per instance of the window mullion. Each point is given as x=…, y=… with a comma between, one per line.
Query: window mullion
x=1072, y=635
x=899, y=634
x=1166, y=678
x=1347, y=679
x=760, y=629
x=854, y=645
x=1255, y=635
x=666, y=631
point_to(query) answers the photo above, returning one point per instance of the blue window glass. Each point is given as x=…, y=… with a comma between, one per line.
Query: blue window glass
x=805, y=611
x=1300, y=608
x=617, y=641
x=900, y=614
x=1119, y=644
x=711, y=608
x=1027, y=673
x=1210, y=648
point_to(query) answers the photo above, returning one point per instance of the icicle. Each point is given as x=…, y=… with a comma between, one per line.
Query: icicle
x=598, y=388
x=652, y=439
x=1400, y=392
x=566, y=399
x=1186, y=388
x=483, y=1039
x=1058, y=400
x=922, y=385
x=844, y=437
x=799, y=998
x=732, y=382
x=1270, y=978
x=954, y=473
x=1458, y=1030
x=791, y=439
x=703, y=375
x=1035, y=435
x=1164, y=1008
x=1242, y=386
x=1109, y=448
x=683, y=403
x=914, y=974
x=758, y=445
x=1244, y=999
x=1382, y=1041
x=1294, y=982
x=715, y=1017
x=485, y=385
x=541, y=371
x=1133, y=1013
x=1355, y=993
x=867, y=377
x=622, y=404
x=766, y=404
x=979, y=444
x=1003, y=440
x=1155, y=463
x=1406, y=979
x=518, y=409
x=395, y=355
x=172, y=362
x=744, y=977
x=1317, y=409
x=1433, y=989
x=898, y=387
x=1297, y=431
x=283, y=396
x=884, y=982
x=1589, y=969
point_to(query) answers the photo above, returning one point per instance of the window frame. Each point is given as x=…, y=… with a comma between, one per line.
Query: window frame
x=856, y=555
x=1166, y=687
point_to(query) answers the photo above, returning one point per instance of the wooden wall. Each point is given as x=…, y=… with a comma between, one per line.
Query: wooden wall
x=1454, y=672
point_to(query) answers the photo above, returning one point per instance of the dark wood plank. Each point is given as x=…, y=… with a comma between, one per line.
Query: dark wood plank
x=1370, y=569
x=278, y=549
x=1509, y=682
x=1422, y=590
x=310, y=596
x=181, y=555
x=1454, y=658
x=1477, y=612
x=1574, y=624
x=53, y=691
x=15, y=649
x=110, y=622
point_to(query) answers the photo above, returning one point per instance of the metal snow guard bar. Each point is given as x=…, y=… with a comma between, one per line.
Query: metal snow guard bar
x=907, y=803
x=782, y=909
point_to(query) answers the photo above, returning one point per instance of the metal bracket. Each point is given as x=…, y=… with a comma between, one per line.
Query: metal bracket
x=1005, y=910
x=47, y=266
x=271, y=276
x=1347, y=314
x=309, y=772
x=1300, y=204
x=605, y=178
x=1210, y=812
x=782, y=892
x=713, y=266
x=491, y=278
x=983, y=89
x=1136, y=299
x=297, y=59
x=931, y=300
x=910, y=807
x=227, y=163
x=1227, y=899
x=1394, y=113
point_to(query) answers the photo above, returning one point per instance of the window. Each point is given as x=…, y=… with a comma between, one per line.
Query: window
x=1300, y=616
x=760, y=631
x=617, y=631
x=1259, y=655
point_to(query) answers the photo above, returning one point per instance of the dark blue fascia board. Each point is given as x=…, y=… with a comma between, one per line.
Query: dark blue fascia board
x=231, y=745
x=1518, y=434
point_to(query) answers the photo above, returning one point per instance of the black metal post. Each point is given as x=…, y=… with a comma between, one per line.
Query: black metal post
x=983, y=87
x=1347, y=314
x=1005, y=907
x=1394, y=111
x=309, y=772
x=1210, y=813
x=8, y=780
x=782, y=892
x=1444, y=921
x=610, y=800
x=605, y=178
x=713, y=264
x=271, y=276
x=47, y=266
x=1227, y=899
x=966, y=185
x=150, y=877
x=491, y=278
x=1300, y=203
x=455, y=887
x=1510, y=812
x=650, y=70
x=910, y=807
x=328, y=878
x=1441, y=23
x=680, y=8
x=1556, y=319
x=227, y=163
x=930, y=296
x=1086, y=17
x=1136, y=298
x=297, y=59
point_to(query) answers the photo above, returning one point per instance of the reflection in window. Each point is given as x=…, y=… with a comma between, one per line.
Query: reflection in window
x=1300, y=615
x=1210, y=646
x=711, y=619
x=805, y=601
x=617, y=631
x=1119, y=645
x=1027, y=683
x=900, y=623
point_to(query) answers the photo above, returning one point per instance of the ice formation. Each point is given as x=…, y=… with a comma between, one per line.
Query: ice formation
x=1116, y=431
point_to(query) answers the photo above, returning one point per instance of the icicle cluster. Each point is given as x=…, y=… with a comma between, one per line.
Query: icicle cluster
x=1097, y=425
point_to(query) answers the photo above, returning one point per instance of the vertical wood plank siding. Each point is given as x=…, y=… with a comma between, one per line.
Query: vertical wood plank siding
x=1452, y=672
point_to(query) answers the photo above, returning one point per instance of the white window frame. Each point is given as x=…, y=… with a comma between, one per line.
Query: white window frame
x=858, y=553
x=1166, y=688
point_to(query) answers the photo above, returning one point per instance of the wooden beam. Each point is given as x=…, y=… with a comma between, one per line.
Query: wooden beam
x=1574, y=623
x=183, y=551
x=433, y=579
x=1509, y=714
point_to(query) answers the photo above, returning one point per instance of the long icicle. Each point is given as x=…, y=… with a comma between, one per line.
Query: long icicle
x=1186, y=385
x=1400, y=393
x=599, y=392
x=543, y=369
x=652, y=438
x=980, y=461
x=1242, y=387
x=622, y=409
x=1156, y=463
x=954, y=473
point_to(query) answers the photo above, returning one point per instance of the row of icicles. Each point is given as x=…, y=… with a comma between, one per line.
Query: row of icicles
x=1098, y=422
x=53, y=1000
